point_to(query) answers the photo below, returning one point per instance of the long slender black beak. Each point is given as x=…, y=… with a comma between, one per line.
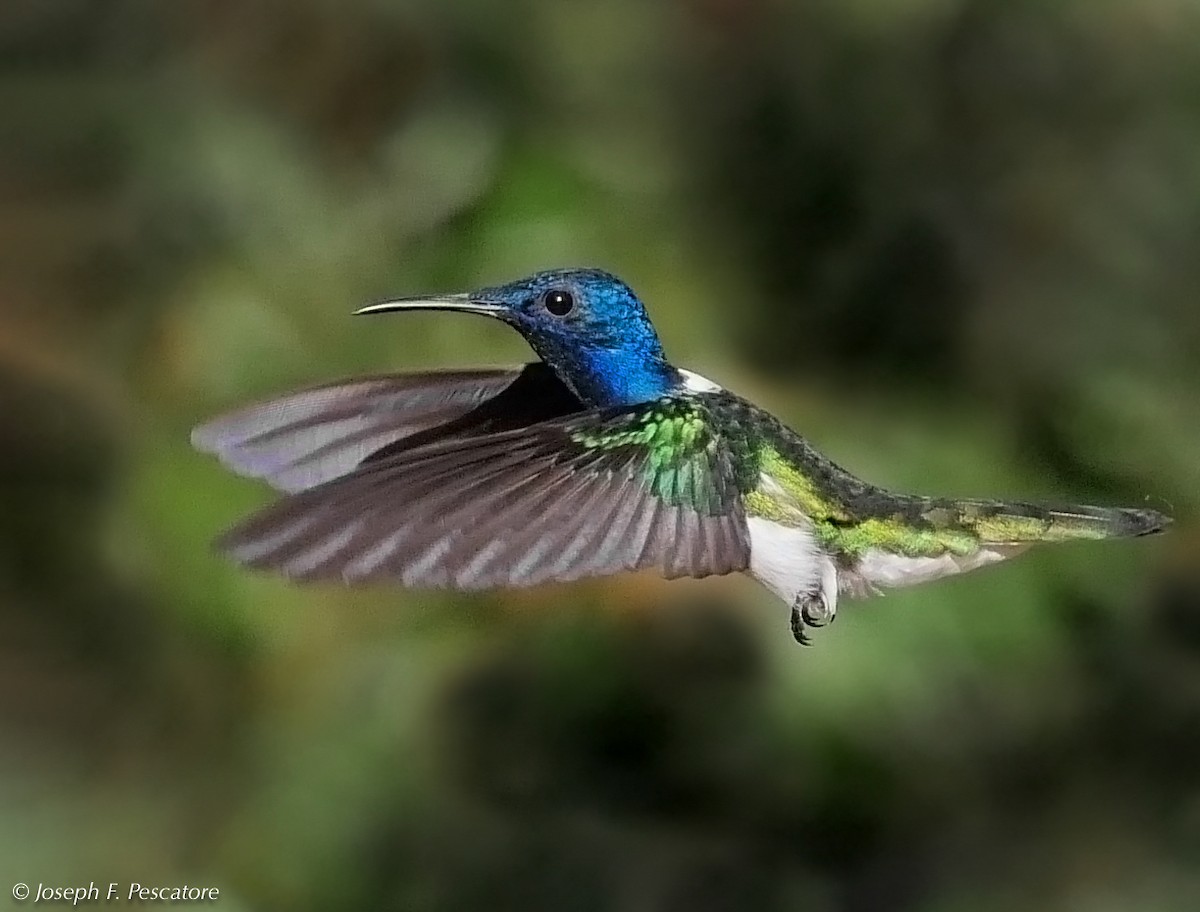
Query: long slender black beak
x=463, y=302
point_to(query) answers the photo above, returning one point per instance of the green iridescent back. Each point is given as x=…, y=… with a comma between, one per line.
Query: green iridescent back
x=684, y=452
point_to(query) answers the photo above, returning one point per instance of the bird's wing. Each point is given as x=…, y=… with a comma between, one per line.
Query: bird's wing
x=306, y=438
x=591, y=494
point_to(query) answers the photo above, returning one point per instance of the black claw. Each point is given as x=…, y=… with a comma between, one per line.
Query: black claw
x=815, y=611
x=798, y=628
x=809, y=611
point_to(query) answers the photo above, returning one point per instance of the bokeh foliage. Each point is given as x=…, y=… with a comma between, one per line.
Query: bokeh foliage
x=953, y=241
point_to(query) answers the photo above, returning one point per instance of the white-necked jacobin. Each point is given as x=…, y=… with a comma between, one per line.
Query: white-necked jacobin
x=600, y=458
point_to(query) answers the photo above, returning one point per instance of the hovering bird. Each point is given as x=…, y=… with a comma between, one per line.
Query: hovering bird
x=600, y=458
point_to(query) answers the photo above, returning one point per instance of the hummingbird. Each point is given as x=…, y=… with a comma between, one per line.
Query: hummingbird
x=600, y=457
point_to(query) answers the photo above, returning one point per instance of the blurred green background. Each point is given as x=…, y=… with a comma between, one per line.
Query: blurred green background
x=955, y=242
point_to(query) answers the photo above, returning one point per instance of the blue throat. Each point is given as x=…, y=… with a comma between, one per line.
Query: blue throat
x=608, y=377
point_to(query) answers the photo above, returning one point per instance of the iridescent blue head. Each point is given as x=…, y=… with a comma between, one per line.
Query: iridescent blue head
x=586, y=324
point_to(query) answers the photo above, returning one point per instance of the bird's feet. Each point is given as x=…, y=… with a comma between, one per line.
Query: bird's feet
x=810, y=610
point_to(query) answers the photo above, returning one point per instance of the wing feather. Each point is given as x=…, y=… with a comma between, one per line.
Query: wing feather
x=308, y=437
x=570, y=497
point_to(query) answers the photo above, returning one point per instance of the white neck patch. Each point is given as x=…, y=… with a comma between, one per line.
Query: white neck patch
x=698, y=384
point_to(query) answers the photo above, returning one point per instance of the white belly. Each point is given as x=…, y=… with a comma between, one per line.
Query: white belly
x=789, y=561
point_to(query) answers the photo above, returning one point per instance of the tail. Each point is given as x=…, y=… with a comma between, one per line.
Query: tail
x=1015, y=523
x=975, y=533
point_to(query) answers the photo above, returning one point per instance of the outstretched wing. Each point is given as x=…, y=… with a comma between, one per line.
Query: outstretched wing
x=303, y=439
x=589, y=494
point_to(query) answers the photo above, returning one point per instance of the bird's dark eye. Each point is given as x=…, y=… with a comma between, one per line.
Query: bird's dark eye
x=558, y=302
